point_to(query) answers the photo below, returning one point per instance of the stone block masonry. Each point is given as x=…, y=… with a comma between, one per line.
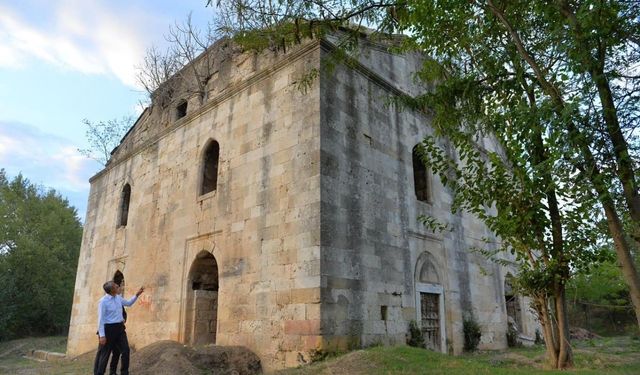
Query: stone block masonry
x=282, y=220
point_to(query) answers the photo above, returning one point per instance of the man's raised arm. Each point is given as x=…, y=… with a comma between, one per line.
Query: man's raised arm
x=133, y=299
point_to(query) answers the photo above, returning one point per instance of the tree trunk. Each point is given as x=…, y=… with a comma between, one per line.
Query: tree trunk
x=595, y=68
x=590, y=168
x=565, y=355
x=542, y=306
x=559, y=354
x=623, y=250
x=624, y=170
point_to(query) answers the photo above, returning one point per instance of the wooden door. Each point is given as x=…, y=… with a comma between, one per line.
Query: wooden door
x=430, y=311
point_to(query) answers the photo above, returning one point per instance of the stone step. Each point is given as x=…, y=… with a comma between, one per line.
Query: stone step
x=43, y=355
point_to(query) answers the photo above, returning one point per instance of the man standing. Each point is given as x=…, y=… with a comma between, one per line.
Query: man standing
x=111, y=328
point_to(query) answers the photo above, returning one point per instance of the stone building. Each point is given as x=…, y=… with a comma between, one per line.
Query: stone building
x=279, y=212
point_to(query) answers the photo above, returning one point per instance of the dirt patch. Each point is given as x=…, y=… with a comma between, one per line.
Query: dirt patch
x=353, y=363
x=170, y=357
x=577, y=333
x=517, y=359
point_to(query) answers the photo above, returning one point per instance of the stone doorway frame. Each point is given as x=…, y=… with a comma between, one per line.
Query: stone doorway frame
x=197, y=309
x=192, y=247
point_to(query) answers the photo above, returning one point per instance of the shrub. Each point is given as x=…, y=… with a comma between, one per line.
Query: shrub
x=539, y=338
x=472, y=333
x=512, y=337
x=415, y=337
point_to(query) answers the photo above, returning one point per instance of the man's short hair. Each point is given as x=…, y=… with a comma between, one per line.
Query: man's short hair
x=108, y=286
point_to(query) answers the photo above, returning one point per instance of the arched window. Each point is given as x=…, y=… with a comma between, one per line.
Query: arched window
x=420, y=177
x=210, y=168
x=124, y=204
x=181, y=110
x=118, y=278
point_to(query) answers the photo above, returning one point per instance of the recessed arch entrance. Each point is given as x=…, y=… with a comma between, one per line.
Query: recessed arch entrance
x=512, y=303
x=430, y=303
x=201, y=315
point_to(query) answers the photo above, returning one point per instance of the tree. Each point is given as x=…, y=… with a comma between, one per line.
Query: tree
x=574, y=58
x=40, y=238
x=104, y=136
x=182, y=67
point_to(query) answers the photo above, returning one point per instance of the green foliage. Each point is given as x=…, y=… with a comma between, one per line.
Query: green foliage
x=602, y=283
x=415, y=336
x=512, y=337
x=40, y=238
x=279, y=35
x=304, y=83
x=472, y=333
x=599, y=298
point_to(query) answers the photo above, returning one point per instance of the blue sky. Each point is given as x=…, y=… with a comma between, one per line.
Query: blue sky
x=62, y=61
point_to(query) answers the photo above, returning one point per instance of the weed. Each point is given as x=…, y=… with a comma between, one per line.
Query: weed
x=415, y=337
x=472, y=333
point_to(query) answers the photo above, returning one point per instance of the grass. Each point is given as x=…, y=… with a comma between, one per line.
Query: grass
x=13, y=362
x=612, y=355
x=618, y=355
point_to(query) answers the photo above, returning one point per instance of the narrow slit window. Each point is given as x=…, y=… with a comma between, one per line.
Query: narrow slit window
x=383, y=312
x=124, y=205
x=181, y=110
x=210, y=168
x=420, y=177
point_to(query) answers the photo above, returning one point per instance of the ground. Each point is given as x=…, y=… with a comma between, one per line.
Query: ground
x=610, y=355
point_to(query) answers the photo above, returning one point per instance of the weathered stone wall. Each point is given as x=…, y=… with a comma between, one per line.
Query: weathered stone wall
x=371, y=238
x=262, y=224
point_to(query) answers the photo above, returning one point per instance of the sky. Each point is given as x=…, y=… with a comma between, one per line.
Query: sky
x=62, y=61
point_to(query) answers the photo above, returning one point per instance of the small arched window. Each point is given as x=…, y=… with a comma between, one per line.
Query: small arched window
x=420, y=177
x=118, y=278
x=210, y=168
x=124, y=204
x=181, y=110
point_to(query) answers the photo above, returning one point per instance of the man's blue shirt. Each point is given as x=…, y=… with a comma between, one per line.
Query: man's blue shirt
x=110, y=310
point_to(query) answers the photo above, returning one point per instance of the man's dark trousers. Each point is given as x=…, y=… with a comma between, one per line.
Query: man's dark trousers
x=113, y=365
x=116, y=341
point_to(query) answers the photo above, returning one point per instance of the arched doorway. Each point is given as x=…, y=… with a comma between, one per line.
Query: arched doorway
x=511, y=300
x=430, y=303
x=202, y=300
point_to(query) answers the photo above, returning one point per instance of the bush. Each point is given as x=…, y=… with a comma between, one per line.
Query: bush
x=472, y=333
x=415, y=337
x=512, y=337
x=539, y=338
